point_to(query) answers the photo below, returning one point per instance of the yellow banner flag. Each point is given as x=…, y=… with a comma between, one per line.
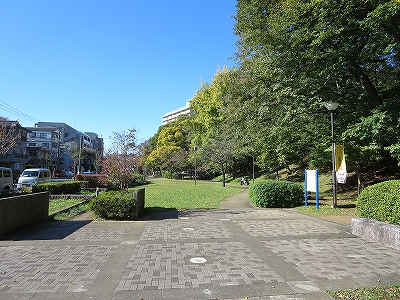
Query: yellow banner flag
x=341, y=172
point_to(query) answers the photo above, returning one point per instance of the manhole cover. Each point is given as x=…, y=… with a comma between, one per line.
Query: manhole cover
x=198, y=260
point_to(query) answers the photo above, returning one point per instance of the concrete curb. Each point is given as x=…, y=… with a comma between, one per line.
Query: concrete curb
x=383, y=233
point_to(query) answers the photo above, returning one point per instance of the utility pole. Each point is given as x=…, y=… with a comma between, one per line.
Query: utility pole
x=80, y=151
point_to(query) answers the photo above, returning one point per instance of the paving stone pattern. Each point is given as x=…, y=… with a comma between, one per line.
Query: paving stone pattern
x=200, y=254
x=230, y=263
x=356, y=258
x=51, y=268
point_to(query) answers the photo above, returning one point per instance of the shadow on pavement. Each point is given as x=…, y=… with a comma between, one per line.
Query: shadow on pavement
x=159, y=213
x=173, y=213
x=55, y=230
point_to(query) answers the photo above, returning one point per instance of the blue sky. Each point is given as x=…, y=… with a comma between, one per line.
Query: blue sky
x=105, y=66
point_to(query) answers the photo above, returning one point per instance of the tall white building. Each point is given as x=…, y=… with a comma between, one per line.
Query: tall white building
x=173, y=115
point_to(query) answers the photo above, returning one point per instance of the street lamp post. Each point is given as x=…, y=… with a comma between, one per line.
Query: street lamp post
x=195, y=165
x=253, y=168
x=332, y=106
x=79, y=158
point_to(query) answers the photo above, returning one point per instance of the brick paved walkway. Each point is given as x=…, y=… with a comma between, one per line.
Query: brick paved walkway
x=231, y=253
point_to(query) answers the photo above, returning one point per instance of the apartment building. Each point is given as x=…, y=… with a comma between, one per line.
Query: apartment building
x=61, y=143
x=13, y=152
x=42, y=147
x=173, y=115
x=52, y=145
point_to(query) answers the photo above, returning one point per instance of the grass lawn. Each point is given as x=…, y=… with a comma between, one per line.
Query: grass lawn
x=184, y=194
x=73, y=212
x=340, y=214
x=377, y=293
x=61, y=203
x=326, y=209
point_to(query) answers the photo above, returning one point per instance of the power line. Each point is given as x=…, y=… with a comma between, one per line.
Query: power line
x=17, y=112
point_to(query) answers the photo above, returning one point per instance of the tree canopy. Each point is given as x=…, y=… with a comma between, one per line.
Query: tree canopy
x=292, y=58
x=120, y=164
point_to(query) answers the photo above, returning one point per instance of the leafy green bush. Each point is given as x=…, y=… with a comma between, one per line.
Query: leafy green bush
x=114, y=205
x=380, y=202
x=59, y=188
x=276, y=193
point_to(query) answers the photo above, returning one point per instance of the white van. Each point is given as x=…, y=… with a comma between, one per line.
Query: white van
x=30, y=177
x=6, y=179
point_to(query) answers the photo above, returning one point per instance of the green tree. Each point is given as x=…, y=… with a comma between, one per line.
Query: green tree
x=329, y=41
x=207, y=105
x=163, y=158
x=298, y=55
x=176, y=133
x=367, y=139
x=219, y=151
x=169, y=147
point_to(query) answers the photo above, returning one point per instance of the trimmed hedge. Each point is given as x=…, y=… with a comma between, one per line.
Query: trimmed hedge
x=59, y=188
x=114, y=205
x=276, y=193
x=380, y=202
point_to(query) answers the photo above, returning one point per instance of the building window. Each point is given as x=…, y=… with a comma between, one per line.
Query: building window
x=6, y=173
x=23, y=136
x=46, y=145
x=32, y=134
x=43, y=135
x=32, y=144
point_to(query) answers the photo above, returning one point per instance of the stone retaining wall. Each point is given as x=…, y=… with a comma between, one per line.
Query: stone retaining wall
x=387, y=234
x=20, y=211
x=73, y=196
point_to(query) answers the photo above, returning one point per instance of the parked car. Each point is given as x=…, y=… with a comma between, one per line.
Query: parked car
x=69, y=174
x=6, y=179
x=59, y=173
x=30, y=177
x=87, y=172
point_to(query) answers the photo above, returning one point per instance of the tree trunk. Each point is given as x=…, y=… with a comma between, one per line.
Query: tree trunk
x=234, y=171
x=370, y=89
x=288, y=168
x=359, y=182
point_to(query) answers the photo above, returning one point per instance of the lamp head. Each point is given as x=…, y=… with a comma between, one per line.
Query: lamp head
x=331, y=105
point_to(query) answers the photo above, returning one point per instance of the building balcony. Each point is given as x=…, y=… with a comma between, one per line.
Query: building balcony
x=14, y=158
